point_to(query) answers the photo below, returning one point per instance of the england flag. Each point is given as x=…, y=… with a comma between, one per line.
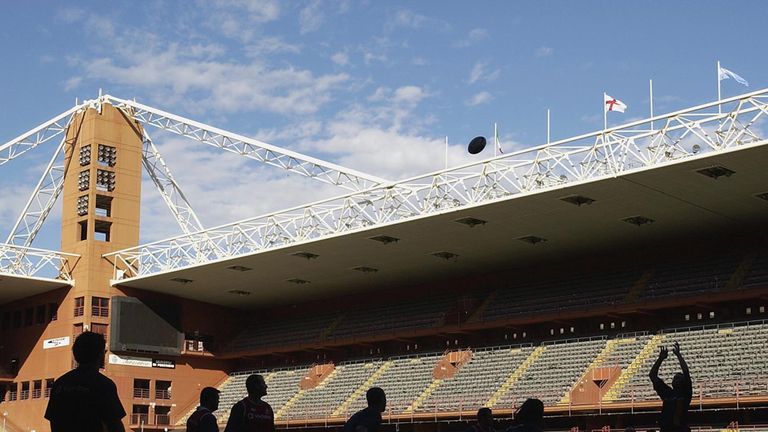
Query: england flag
x=613, y=104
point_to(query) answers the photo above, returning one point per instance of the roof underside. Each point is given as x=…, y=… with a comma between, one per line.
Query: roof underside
x=680, y=201
x=13, y=287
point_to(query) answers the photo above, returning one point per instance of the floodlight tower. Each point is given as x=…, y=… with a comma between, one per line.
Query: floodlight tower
x=100, y=195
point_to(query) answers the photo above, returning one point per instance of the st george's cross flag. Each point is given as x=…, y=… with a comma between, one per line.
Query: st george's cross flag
x=613, y=104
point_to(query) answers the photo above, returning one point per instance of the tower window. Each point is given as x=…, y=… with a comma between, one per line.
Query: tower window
x=103, y=205
x=83, y=230
x=79, y=307
x=101, y=231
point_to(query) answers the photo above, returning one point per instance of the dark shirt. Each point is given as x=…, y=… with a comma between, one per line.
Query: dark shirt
x=675, y=403
x=524, y=427
x=83, y=400
x=477, y=428
x=369, y=419
x=202, y=420
x=251, y=415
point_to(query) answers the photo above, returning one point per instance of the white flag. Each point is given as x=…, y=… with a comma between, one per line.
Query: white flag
x=613, y=104
x=724, y=73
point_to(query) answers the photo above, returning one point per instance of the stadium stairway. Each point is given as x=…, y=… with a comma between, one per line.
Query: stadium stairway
x=328, y=332
x=478, y=312
x=596, y=363
x=738, y=276
x=637, y=289
x=424, y=395
x=626, y=375
x=512, y=379
x=290, y=403
x=361, y=389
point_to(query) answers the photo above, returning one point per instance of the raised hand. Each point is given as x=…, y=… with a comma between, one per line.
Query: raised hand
x=663, y=353
x=676, y=349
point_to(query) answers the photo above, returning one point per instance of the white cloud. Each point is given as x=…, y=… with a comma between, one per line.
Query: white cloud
x=72, y=83
x=408, y=94
x=408, y=18
x=475, y=35
x=544, y=51
x=311, y=17
x=238, y=19
x=480, y=99
x=181, y=76
x=479, y=72
x=270, y=45
x=340, y=58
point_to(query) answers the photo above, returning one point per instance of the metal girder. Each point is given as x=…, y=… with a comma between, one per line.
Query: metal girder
x=248, y=147
x=42, y=200
x=39, y=135
x=168, y=187
x=30, y=262
x=683, y=135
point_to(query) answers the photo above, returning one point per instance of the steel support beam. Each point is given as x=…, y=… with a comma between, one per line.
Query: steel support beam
x=684, y=135
x=248, y=147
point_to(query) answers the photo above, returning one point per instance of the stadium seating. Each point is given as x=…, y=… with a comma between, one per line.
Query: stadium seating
x=758, y=274
x=559, y=294
x=675, y=278
x=723, y=359
x=476, y=381
x=692, y=276
x=392, y=317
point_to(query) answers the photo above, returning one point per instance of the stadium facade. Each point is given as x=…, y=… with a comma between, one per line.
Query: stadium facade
x=556, y=272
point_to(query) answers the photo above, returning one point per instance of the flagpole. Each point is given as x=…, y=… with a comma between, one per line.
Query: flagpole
x=650, y=86
x=605, y=112
x=548, y=125
x=719, y=108
x=495, y=139
x=446, y=152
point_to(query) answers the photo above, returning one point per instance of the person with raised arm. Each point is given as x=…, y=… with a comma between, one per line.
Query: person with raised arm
x=676, y=399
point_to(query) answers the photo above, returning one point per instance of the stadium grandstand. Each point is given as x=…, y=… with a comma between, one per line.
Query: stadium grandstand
x=555, y=272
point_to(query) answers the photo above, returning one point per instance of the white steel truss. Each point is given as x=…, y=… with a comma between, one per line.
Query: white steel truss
x=42, y=200
x=645, y=144
x=39, y=135
x=30, y=262
x=248, y=147
x=168, y=187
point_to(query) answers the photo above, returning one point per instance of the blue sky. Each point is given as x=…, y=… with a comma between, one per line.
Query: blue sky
x=373, y=85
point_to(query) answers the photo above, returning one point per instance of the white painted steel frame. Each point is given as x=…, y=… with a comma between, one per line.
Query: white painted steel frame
x=30, y=262
x=41, y=201
x=39, y=135
x=682, y=136
x=168, y=187
x=251, y=148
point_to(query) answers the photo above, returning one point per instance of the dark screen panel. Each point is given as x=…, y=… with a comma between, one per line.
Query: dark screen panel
x=137, y=328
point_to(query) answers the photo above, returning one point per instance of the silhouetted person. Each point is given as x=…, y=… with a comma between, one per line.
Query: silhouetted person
x=675, y=399
x=484, y=421
x=252, y=414
x=84, y=400
x=368, y=419
x=203, y=420
x=529, y=417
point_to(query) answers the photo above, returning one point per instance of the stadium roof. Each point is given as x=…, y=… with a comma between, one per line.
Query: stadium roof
x=14, y=287
x=702, y=195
